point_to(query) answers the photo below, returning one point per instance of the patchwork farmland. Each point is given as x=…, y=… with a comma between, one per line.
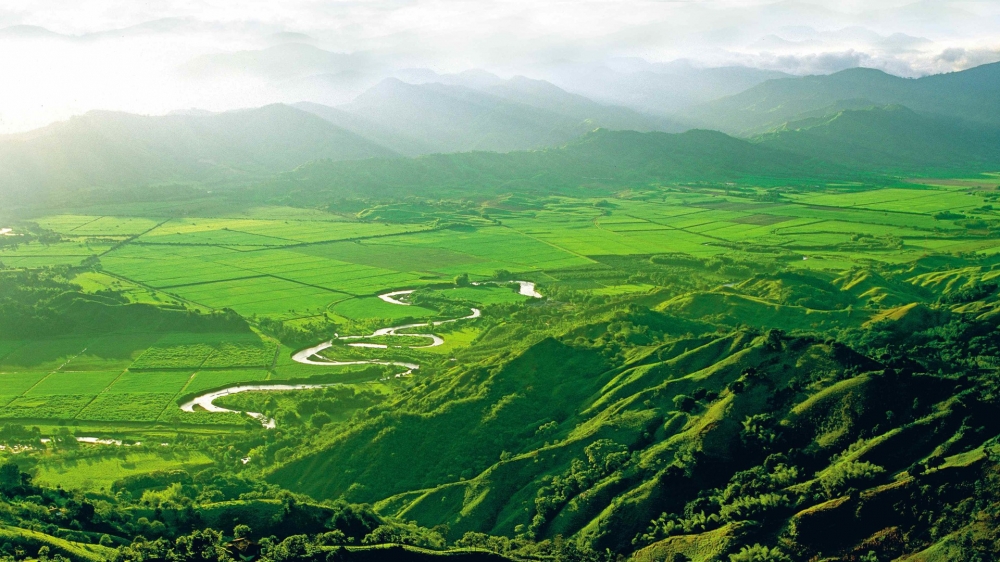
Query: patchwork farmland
x=301, y=266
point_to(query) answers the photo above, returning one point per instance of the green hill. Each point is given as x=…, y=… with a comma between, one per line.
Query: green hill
x=599, y=161
x=515, y=115
x=545, y=95
x=106, y=149
x=891, y=138
x=632, y=429
x=971, y=95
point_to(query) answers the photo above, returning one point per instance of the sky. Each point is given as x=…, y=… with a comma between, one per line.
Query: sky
x=60, y=58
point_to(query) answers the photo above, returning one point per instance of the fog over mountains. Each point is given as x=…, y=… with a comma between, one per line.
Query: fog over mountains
x=853, y=123
x=658, y=58
x=155, y=95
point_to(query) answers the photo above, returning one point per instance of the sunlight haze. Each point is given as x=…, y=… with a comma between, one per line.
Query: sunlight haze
x=60, y=59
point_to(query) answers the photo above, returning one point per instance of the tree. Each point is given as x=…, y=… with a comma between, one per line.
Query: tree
x=462, y=280
x=759, y=553
x=320, y=419
x=383, y=534
x=10, y=477
x=241, y=532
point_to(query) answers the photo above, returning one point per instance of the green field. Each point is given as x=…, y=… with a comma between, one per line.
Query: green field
x=310, y=263
x=678, y=324
x=620, y=308
x=301, y=266
x=99, y=473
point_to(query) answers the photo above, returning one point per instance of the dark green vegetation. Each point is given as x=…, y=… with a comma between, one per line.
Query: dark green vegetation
x=776, y=349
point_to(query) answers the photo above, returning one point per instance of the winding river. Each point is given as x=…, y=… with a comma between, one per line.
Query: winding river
x=312, y=355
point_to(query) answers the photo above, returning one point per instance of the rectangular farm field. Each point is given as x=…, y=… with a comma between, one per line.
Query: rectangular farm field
x=212, y=380
x=108, y=353
x=137, y=407
x=165, y=382
x=177, y=351
x=44, y=355
x=63, y=407
x=263, y=296
x=16, y=384
x=9, y=346
x=79, y=382
x=239, y=350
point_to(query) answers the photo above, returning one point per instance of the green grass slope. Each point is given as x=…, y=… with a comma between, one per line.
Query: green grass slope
x=890, y=138
x=31, y=541
x=598, y=162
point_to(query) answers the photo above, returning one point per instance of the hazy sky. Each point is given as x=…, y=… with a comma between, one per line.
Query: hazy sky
x=63, y=57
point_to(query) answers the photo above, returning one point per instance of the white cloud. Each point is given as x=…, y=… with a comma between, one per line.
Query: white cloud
x=114, y=54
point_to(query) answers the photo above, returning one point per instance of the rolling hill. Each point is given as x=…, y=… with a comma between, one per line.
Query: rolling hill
x=971, y=95
x=364, y=127
x=513, y=115
x=601, y=161
x=891, y=138
x=545, y=95
x=692, y=446
x=102, y=149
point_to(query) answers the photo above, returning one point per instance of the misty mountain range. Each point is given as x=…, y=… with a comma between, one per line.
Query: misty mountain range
x=860, y=120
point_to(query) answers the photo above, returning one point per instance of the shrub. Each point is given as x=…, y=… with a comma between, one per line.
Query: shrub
x=847, y=475
x=759, y=553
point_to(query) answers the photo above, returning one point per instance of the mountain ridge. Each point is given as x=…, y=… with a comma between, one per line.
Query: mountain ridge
x=118, y=149
x=971, y=95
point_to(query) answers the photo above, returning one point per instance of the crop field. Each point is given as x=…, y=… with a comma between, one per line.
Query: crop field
x=79, y=383
x=126, y=377
x=916, y=201
x=291, y=263
x=297, y=265
x=43, y=355
x=261, y=295
x=90, y=225
x=36, y=254
x=209, y=380
x=166, y=382
x=94, y=474
x=257, y=232
x=131, y=407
